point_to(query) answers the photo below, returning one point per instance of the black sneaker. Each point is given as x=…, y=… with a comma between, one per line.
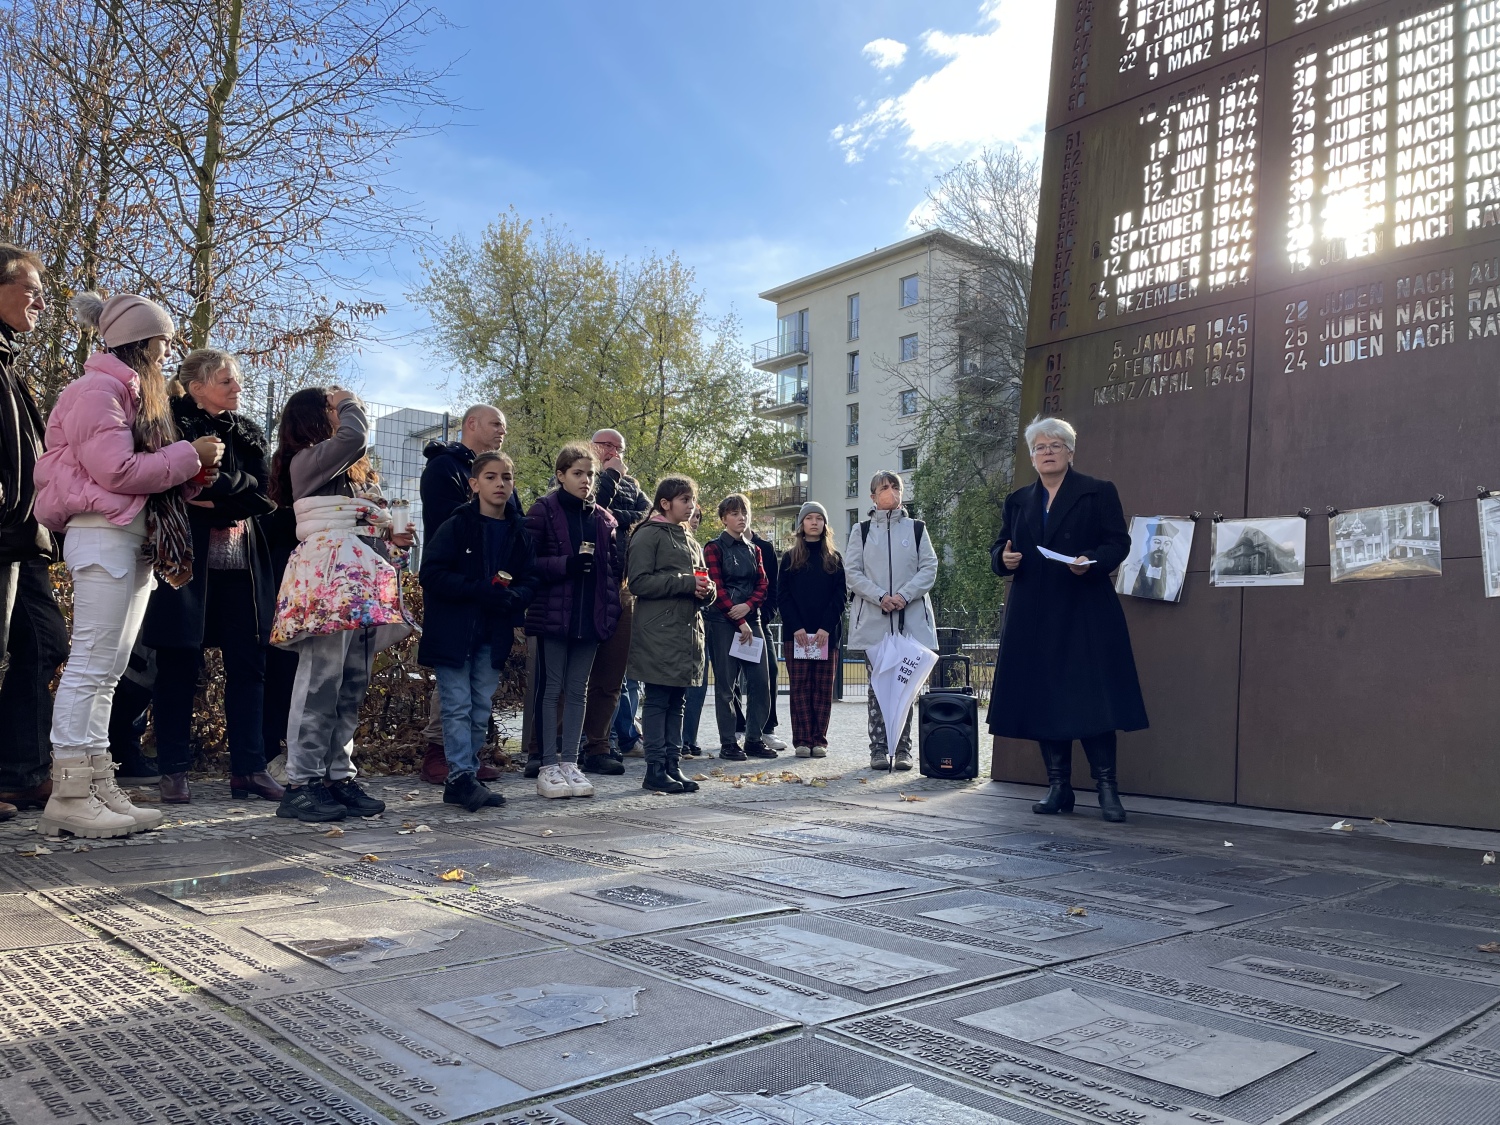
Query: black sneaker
x=311, y=803
x=467, y=790
x=731, y=753
x=352, y=797
x=759, y=750
x=602, y=763
x=690, y=752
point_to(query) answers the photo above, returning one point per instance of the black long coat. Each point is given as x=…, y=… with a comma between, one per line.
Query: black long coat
x=1065, y=668
x=176, y=618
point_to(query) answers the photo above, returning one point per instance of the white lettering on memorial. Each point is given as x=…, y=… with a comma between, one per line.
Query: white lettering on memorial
x=1424, y=127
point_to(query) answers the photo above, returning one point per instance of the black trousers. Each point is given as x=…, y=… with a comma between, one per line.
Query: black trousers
x=1098, y=748
x=38, y=643
x=230, y=626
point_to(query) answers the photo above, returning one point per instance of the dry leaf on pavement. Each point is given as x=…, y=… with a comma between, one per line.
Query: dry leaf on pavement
x=905, y=797
x=334, y=831
x=1489, y=947
x=1381, y=821
x=1077, y=912
x=370, y=858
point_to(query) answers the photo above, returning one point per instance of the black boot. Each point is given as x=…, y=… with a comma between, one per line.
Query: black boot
x=659, y=781
x=674, y=771
x=1059, y=760
x=1101, y=754
x=467, y=790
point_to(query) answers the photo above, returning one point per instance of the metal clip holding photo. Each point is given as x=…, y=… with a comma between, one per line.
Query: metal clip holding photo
x=1305, y=513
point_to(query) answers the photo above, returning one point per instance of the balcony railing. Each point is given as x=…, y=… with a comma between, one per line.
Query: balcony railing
x=780, y=496
x=779, y=350
x=854, y=328
x=793, y=450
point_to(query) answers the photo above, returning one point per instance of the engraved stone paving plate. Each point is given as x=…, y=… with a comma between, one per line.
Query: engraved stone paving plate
x=1003, y=925
x=1442, y=948
x=296, y=952
x=1108, y=1055
x=25, y=925
x=809, y=968
x=276, y=890
x=154, y=863
x=669, y=849
x=1412, y=902
x=66, y=989
x=495, y=866
x=817, y=837
x=804, y=1080
x=1477, y=1052
x=1217, y=873
x=960, y=864
x=813, y=883
x=612, y=906
x=401, y=1038
x=114, y=912
x=1392, y=1010
x=1195, y=908
x=1084, y=851
x=1426, y=1095
x=198, y=1067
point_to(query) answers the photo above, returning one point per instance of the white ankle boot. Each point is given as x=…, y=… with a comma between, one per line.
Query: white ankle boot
x=75, y=808
x=115, y=799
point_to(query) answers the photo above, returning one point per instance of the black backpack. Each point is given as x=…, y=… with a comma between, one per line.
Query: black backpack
x=864, y=532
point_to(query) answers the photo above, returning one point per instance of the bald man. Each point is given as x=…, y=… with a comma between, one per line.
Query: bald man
x=445, y=489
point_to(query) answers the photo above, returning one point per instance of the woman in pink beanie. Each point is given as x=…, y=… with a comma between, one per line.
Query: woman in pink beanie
x=116, y=480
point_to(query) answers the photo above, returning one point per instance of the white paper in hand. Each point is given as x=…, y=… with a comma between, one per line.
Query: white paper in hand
x=812, y=650
x=749, y=651
x=1069, y=559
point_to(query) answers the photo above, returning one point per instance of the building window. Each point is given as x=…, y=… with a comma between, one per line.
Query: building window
x=908, y=291
x=908, y=458
x=908, y=348
x=791, y=333
x=906, y=403
x=853, y=514
x=852, y=437
x=853, y=373
x=851, y=483
x=854, y=316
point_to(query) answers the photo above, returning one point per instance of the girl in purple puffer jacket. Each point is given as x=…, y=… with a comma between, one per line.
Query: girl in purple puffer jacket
x=577, y=605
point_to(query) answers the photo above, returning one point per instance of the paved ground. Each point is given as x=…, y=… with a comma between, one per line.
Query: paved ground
x=808, y=942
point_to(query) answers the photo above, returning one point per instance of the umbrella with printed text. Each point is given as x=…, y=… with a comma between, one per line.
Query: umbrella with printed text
x=899, y=666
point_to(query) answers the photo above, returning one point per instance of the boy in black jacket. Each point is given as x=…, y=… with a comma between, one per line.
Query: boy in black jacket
x=478, y=575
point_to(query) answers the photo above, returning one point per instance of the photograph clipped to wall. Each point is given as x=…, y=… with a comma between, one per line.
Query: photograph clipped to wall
x=1259, y=552
x=1158, y=559
x=1489, y=543
x=1396, y=541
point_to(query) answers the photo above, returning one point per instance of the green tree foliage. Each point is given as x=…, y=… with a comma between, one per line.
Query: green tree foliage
x=566, y=341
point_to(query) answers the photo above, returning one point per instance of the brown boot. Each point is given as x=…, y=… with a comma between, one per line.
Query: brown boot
x=435, y=765
x=33, y=798
x=175, y=789
x=7, y=812
x=487, y=772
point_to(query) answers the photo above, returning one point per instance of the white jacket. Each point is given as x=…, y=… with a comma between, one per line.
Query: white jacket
x=890, y=562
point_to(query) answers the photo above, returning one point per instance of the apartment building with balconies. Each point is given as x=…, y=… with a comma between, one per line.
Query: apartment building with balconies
x=849, y=373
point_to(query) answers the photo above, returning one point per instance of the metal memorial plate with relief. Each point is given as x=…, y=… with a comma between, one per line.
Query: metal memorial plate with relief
x=653, y=849
x=1424, y=1095
x=167, y=1070
x=815, y=882
x=68, y=989
x=809, y=968
x=25, y=924
x=1109, y=1055
x=817, y=837
x=611, y=906
x=1393, y=1010
x=1414, y=902
x=1081, y=850
x=960, y=864
x=1216, y=873
x=1477, y=1052
x=273, y=890
x=428, y=1044
x=1196, y=908
x=454, y=871
x=804, y=1080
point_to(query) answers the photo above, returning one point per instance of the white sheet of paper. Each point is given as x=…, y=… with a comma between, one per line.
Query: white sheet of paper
x=750, y=651
x=812, y=650
x=1062, y=558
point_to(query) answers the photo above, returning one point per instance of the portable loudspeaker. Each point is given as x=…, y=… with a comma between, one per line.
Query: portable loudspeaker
x=948, y=730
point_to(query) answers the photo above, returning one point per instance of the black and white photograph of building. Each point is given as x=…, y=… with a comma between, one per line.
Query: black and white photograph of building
x=1158, y=559
x=1396, y=541
x=1271, y=551
x=1489, y=543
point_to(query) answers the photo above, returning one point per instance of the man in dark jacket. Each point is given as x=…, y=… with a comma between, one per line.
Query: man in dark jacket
x=445, y=489
x=33, y=635
x=620, y=493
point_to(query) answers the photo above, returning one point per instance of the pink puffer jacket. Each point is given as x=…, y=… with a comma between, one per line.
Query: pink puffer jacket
x=91, y=464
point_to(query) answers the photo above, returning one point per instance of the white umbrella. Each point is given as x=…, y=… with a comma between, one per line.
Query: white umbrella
x=899, y=666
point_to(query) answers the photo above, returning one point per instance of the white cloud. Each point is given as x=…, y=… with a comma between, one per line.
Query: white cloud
x=990, y=87
x=885, y=54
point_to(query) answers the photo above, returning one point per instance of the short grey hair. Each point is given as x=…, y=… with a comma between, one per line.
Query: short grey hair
x=885, y=476
x=1052, y=428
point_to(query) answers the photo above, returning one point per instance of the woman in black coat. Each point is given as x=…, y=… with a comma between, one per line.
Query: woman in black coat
x=231, y=598
x=1065, y=669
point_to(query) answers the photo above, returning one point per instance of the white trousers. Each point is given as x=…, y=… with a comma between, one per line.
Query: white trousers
x=112, y=582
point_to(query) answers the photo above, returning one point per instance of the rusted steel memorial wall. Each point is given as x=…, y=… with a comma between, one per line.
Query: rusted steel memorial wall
x=1268, y=283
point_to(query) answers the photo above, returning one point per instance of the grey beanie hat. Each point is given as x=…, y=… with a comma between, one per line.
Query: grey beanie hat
x=123, y=319
x=810, y=508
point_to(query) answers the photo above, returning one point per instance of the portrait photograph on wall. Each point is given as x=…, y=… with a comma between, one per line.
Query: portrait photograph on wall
x=1158, y=559
x=1489, y=543
x=1271, y=551
x=1396, y=541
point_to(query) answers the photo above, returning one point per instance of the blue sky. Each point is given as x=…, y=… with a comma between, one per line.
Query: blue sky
x=759, y=140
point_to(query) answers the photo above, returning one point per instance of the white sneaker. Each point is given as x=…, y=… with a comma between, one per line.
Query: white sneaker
x=819, y=751
x=552, y=782
x=578, y=785
x=804, y=752
x=773, y=742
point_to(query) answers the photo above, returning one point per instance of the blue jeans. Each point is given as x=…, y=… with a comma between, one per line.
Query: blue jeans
x=630, y=698
x=467, y=693
x=693, y=711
